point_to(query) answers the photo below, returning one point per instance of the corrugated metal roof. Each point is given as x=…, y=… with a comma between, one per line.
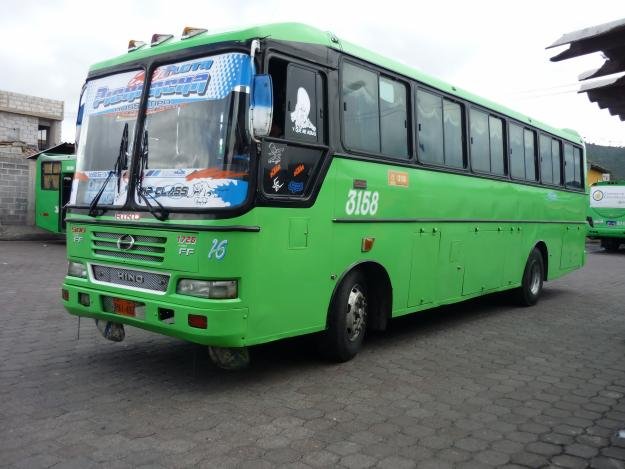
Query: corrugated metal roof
x=64, y=148
x=609, y=39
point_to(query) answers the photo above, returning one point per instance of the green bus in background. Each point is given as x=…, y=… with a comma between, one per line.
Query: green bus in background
x=53, y=184
x=606, y=214
x=239, y=188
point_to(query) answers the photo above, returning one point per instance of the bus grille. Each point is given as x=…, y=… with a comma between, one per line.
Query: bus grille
x=145, y=248
x=130, y=278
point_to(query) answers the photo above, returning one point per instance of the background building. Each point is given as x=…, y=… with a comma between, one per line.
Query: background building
x=27, y=124
x=596, y=173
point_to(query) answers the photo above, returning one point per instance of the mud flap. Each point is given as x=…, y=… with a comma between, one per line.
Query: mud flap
x=111, y=330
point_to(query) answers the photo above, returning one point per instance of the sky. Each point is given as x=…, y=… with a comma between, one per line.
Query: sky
x=495, y=49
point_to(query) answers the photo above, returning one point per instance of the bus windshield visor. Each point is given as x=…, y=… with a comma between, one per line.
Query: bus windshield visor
x=107, y=105
x=195, y=152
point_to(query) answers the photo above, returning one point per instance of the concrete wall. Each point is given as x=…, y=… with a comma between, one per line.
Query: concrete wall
x=15, y=190
x=20, y=117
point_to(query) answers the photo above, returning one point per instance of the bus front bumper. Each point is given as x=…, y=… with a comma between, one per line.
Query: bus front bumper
x=224, y=327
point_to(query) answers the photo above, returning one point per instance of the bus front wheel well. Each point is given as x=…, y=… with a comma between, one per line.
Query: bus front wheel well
x=542, y=247
x=380, y=301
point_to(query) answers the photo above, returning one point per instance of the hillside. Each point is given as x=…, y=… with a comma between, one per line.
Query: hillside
x=610, y=158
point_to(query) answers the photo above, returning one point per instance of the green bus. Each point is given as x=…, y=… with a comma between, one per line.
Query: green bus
x=606, y=214
x=53, y=185
x=238, y=188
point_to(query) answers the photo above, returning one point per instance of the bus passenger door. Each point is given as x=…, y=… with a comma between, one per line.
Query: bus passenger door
x=66, y=191
x=424, y=267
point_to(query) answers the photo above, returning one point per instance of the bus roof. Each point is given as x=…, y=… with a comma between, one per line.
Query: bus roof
x=56, y=157
x=298, y=32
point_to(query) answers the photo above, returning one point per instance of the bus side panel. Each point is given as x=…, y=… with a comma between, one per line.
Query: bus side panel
x=444, y=237
x=291, y=281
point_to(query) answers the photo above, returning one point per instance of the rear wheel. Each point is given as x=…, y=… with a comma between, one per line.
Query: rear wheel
x=532, y=283
x=611, y=244
x=347, y=319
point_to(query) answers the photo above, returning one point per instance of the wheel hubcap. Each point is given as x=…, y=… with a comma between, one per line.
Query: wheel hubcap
x=535, y=282
x=356, y=313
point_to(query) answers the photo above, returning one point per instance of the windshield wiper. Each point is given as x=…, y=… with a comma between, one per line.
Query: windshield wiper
x=160, y=213
x=121, y=163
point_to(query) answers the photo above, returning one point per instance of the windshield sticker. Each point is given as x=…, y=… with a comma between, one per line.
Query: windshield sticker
x=276, y=151
x=197, y=80
x=277, y=185
x=296, y=187
x=299, y=117
x=91, y=183
x=114, y=94
x=191, y=188
x=298, y=170
x=273, y=171
x=181, y=83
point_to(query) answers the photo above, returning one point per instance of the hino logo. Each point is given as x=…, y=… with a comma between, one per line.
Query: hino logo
x=129, y=277
x=125, y=242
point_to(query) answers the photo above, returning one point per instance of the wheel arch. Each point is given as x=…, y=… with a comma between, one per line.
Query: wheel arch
x=380, y=292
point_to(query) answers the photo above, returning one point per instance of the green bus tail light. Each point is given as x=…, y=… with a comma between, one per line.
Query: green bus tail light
x=76, y=269
x=212, y=289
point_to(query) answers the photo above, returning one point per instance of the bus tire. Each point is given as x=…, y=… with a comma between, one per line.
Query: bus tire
x=611, y=244
x=229, y=358
x=347, y=319
x=532, y=283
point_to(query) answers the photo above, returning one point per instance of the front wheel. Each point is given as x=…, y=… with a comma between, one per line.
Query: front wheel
x=347, y=319
x=532, y=283
x=229, y=358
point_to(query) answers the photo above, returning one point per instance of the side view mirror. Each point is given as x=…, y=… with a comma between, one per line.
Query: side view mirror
x=261, y=108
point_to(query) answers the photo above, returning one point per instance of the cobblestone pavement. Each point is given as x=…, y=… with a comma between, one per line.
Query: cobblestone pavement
x=480, y=384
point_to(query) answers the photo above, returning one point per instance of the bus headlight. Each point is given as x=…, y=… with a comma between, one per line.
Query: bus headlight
x=212, y=289
x=76, y=269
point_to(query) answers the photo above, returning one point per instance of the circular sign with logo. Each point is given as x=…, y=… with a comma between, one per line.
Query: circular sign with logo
x=597, y=195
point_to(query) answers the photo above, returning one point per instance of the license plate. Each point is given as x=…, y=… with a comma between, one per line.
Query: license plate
x=124, y=307
x=610, y=223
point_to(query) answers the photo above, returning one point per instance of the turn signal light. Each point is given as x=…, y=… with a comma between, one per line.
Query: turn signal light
x=134, y=45
x=65, y=294
x=367, y=244
x=190, y=31
x=197, y=321
x=160, y=38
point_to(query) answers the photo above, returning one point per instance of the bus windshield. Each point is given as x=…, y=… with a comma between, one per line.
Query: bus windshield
x=106, y=106
x=197, y=153
x=195, y=150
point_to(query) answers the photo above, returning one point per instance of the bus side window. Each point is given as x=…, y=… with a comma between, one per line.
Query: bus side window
x=556, y=152
x=303, y=120
x=517, y=158
x=569, y=166
x=361, y=124
x=577, y=165
x=546, y=166
x=531, y=173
